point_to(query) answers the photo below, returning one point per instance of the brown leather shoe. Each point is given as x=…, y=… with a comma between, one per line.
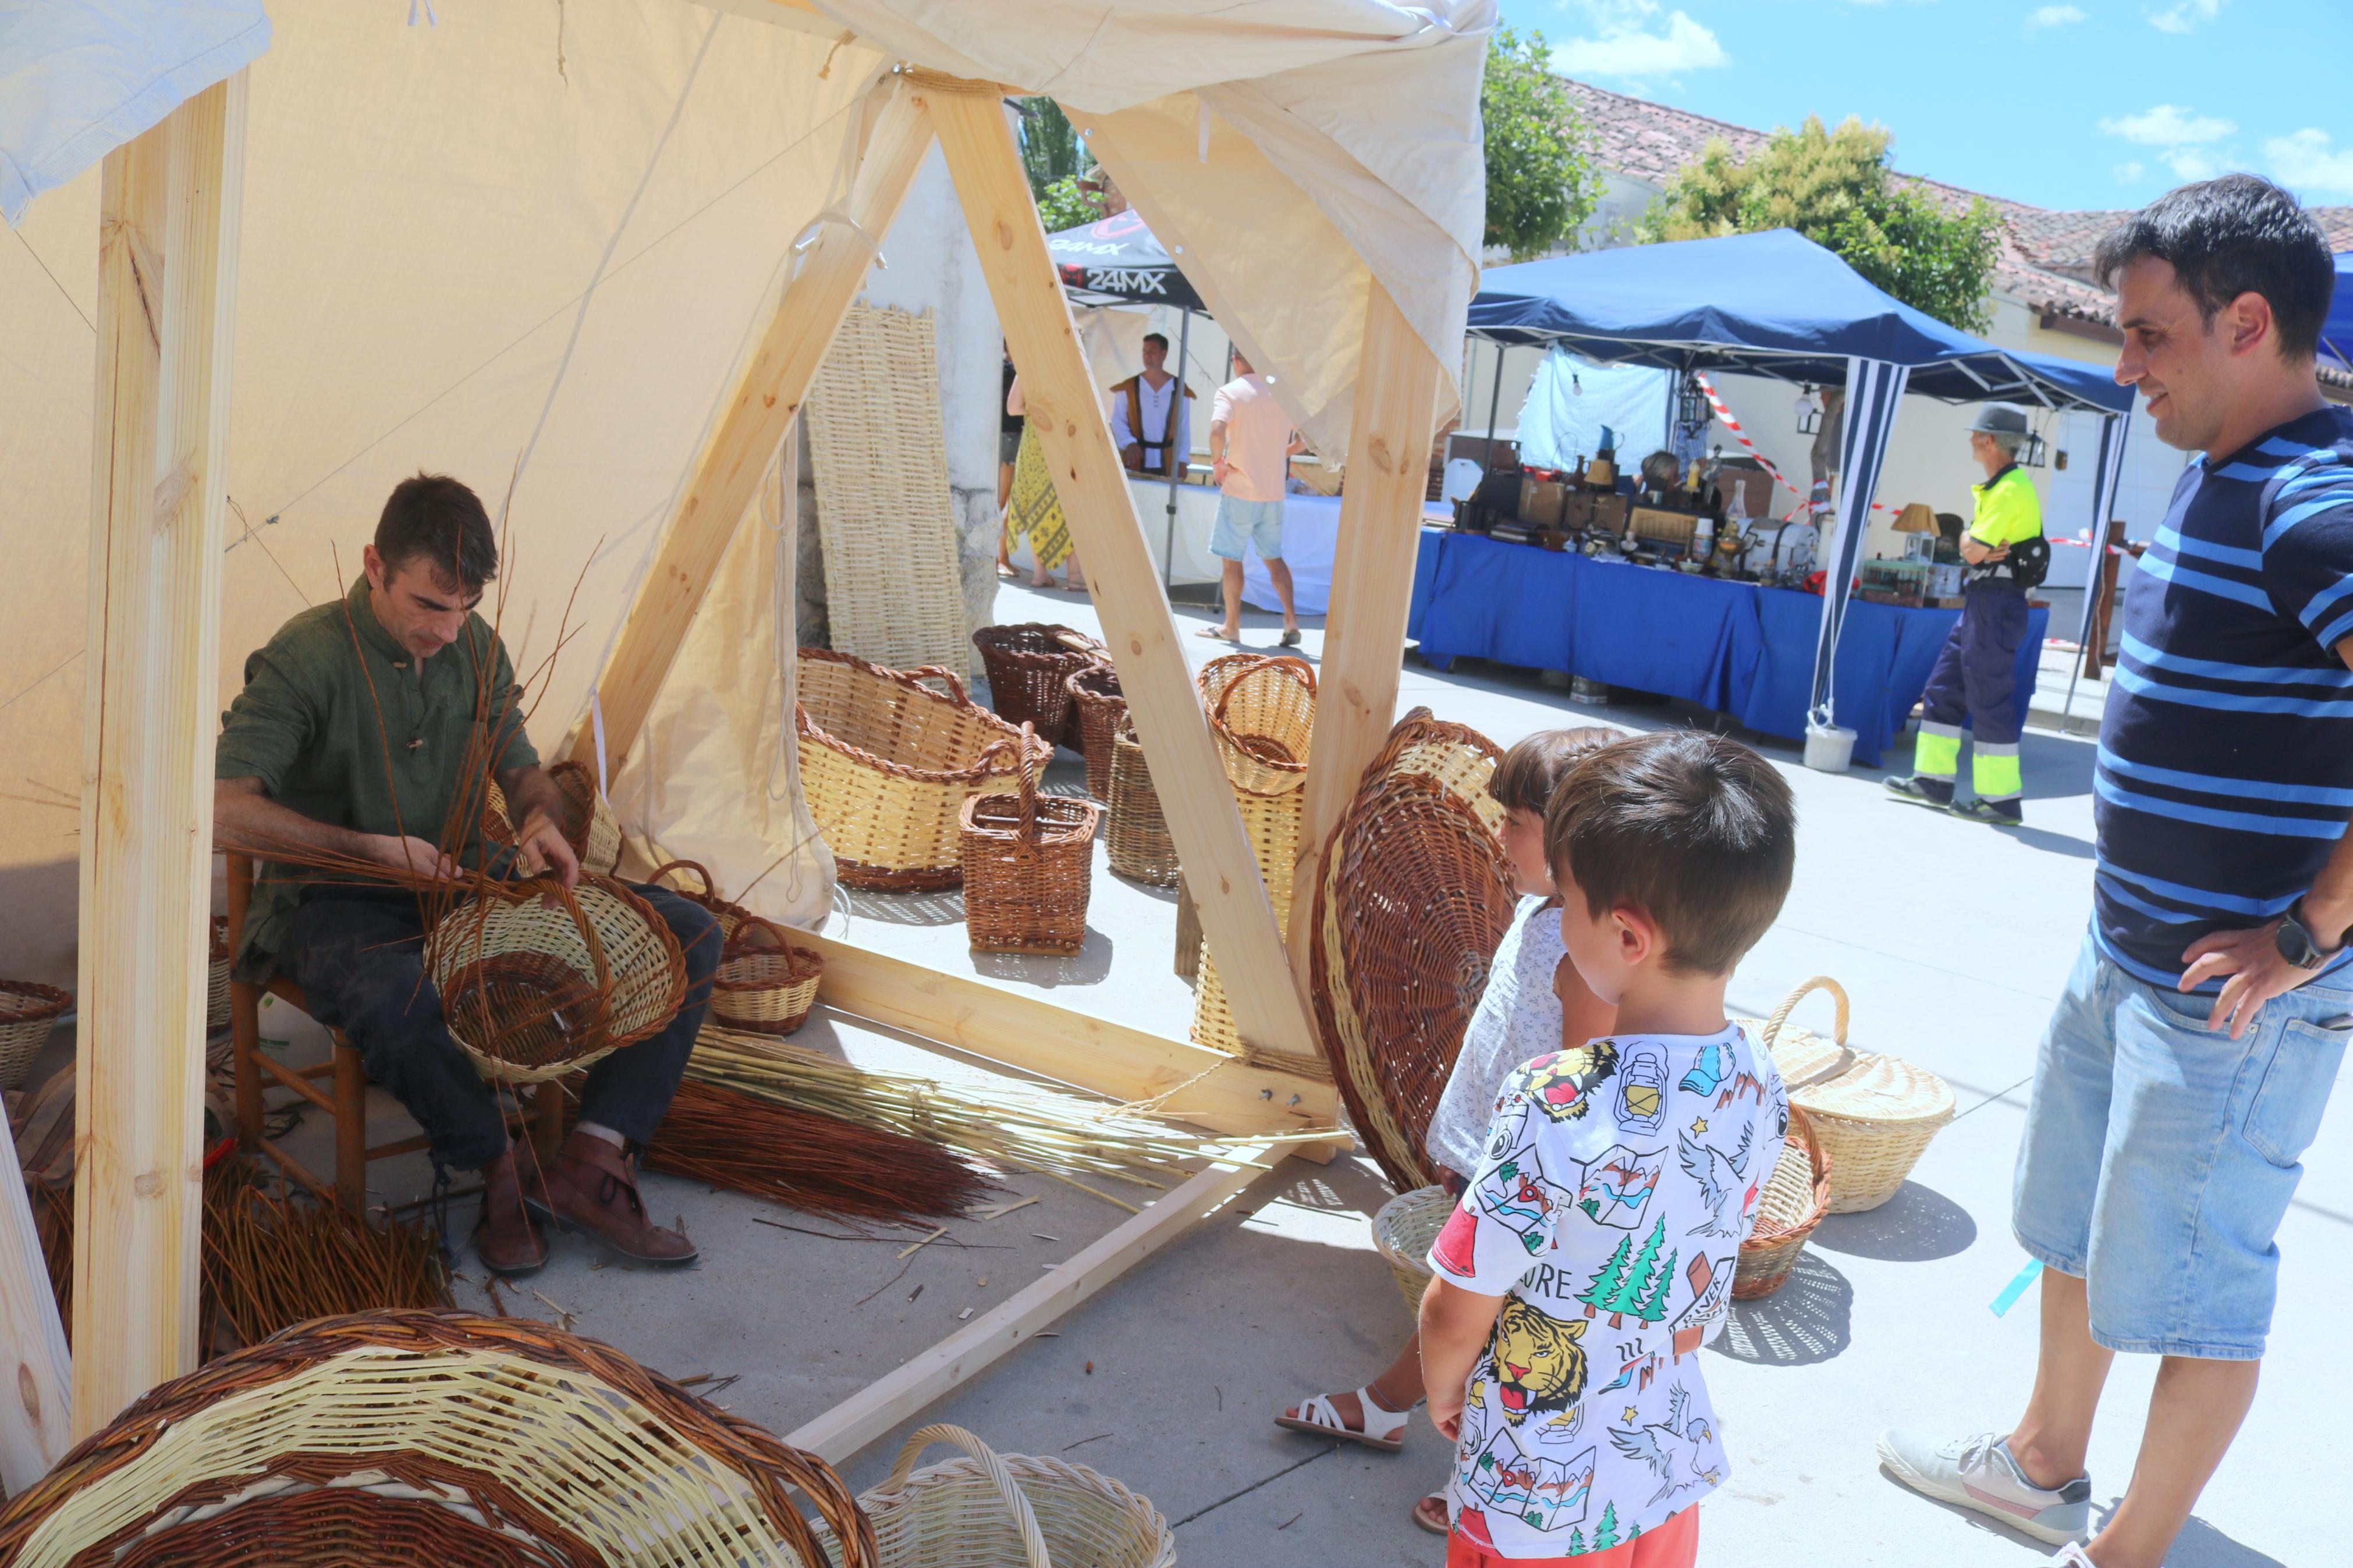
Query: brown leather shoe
x=506, y=1240
x=592, y=1187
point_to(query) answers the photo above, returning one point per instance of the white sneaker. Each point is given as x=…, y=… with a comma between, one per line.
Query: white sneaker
x=2073, y=1555
x=1979, y=1473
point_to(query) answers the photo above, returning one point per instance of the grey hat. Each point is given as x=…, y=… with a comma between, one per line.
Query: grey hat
x=2000, y=419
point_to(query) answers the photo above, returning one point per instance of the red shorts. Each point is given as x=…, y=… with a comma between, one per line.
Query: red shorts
x=1674, y=1544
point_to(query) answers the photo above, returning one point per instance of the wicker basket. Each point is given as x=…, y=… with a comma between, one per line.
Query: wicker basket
x=216, y=978
x=1136, y=842
x=1097, y=707
x=1028, y=859
x=763, y=983
x=590, y=825
x=1794, y=1198
x=1404, y=1230
x=1874, y=1114
x=1458, y=757
x=1027, y=667
x=887, y=765
x=537, y=980
x=27, y=1013
x=414, y=1439
x=1008, y=1510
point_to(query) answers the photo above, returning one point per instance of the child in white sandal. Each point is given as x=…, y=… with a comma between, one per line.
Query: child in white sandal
x=1535, y=1003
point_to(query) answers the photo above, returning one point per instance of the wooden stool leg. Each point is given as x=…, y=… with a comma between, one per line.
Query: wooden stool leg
x=351, y=1129
x=244, y=1038
x=547, y=1125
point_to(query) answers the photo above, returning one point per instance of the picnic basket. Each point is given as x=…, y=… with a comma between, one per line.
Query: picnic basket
x=1097, y=707
x=1027, y=666
x=988, y=1510
x=1875, y=1114
x=1136, y=841
x=424, y=1439
x=590, y=825
x=1027, y=861
x=1794, y=1198
x=763, y=983
x=28, y=1012
x=217, y=965
x=1404, y=1230
x=887, y=763
x=537, y=980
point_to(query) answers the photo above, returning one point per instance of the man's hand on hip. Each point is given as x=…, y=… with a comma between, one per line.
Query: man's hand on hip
x=545, y=849
x=2256, y=973
x=418, y=857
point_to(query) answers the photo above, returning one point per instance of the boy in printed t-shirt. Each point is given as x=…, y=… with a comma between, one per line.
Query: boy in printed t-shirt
x=1592, y=1253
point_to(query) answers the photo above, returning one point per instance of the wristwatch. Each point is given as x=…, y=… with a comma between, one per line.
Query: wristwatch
x=2296, y=941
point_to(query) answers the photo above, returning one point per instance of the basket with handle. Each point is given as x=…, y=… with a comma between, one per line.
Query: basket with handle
x=988, y=1510
x=590, y=825
x=216, y=966
x=1027, y=666
x=1136, y=841
x=1028, y=859
x=764, y=984
x=1404, y=1230
x=1874, y=1114
x=887, y=763
x=423, y=1439
x=1097, y=706
x=1793, y=1203
x=28, y=1011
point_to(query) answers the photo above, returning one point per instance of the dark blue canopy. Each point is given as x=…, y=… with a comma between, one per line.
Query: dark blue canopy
x=2336, y=332
x=1117, y=257
x=1763, y=304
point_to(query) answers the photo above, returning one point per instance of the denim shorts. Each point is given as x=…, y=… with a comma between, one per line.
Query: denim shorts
x=1242, y=522
x=2159, y=1154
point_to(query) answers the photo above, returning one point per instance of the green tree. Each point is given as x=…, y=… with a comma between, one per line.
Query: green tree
x=1628, y=1296
x=1051, y=149
x=1541, y=177
x=1607, y=1280
x=1576, y=1543
x=1653, y=1305
x=1604, y=1534
x=1062, y=205
x=1835, y=187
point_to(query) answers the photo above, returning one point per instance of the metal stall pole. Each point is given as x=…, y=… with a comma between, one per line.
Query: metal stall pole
x=1494, y=398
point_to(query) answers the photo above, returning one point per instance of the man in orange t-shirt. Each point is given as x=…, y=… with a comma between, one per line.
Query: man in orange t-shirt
x=1251, y=444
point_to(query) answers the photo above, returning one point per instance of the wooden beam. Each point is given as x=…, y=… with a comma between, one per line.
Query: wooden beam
x=1237, y=917
x=1212, y=1090
x=1372, y=586
x=169, y=208
x=767, y=398
x=866, y=1415
x=35, y=1374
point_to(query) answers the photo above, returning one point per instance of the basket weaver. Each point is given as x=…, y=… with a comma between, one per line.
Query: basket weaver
x=1028, y=863
x=1794, y=1198
x=1097, y=706
x=1137, y=841
x=1404, y=1230
x=414, y=1439
x=590, y=825
x=1009, y=1511
x=1027, y=665
x=216, y=963
x=27, y=1013
x=887, y=763
x=1874, y=1114
x=537, y=980
x=763, y=983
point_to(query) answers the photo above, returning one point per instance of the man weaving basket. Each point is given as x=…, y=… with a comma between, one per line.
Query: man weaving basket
x=358, y=725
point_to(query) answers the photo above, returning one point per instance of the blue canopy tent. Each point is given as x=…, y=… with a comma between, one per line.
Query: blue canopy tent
x=1777, y=304
x=2336, y=332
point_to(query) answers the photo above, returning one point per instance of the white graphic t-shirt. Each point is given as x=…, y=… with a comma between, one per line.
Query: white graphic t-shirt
x=1619, y=1179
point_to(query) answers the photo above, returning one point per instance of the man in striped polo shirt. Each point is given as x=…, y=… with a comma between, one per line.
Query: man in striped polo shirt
x=2185, y=1070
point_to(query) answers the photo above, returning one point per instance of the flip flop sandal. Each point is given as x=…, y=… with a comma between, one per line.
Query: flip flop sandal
x=1291, y=638
x=1423, y=1510
x=1384, y=1429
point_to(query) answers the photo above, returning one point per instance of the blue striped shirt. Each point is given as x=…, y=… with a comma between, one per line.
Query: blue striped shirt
x=2225, y=774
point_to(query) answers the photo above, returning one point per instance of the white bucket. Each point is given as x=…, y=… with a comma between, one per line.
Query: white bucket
x=1830, y=748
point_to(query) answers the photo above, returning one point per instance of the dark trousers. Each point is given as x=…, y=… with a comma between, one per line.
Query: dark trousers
x=358, y=955
x=1976, y=682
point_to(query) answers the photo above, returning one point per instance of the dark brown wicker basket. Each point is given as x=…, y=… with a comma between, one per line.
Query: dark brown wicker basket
x=1027, y=664
x=1096, y=709
x=1137, y=843
x=28, y=1011
x=590, y=825
x=1028, y=859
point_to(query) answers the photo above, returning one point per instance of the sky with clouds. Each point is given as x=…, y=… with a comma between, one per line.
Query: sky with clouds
x=2092, y=103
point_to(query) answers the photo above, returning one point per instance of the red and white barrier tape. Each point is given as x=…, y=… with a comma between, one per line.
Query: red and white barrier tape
x=1724, y=418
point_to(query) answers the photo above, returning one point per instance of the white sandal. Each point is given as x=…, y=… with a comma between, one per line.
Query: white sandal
x=1384, y=1429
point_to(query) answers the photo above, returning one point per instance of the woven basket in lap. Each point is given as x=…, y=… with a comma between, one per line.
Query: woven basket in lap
x=216, y=978
x=887, y=765
x=1794, y=1198
x=537, y=980
x=1097, y=706
x=1404, y=1230
x=1009, y=1511
x=1028, y=859
x=414, y=1439
x=1136, y=842
x=763, y=983
x=1874, y=1114
x=27, y=1013
x=590, y=825
x=1027, y=665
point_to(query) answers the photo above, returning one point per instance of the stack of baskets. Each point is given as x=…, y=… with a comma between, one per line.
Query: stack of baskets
x=1097, y=709
x=28, y=1012
x=1794, y=1198
x=1008, y=1510
x=887, y=765
x=590, y=825
x=1027, y=665
x=1404, y=1230
x=1028, y=859
x=764, y=984
x=1874, y=1114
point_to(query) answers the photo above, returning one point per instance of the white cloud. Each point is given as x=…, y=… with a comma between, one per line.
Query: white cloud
x=2307, y=162
x=2045, y=17
x=2184, y=15
x=2168, y=126
x=2130, y=171
x=1631, y=39
x=2191, y=162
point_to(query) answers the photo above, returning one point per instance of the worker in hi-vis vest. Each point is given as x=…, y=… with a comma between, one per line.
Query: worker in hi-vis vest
x=1976, y=677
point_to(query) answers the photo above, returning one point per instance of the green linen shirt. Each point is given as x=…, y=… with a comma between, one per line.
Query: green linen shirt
x=342, y=724
x=2008, y=511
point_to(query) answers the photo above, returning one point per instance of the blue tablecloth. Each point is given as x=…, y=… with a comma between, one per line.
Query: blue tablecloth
x=1736, y=647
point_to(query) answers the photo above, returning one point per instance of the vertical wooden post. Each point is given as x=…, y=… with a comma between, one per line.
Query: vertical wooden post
x=1372, y=584
x=770, y=393
x=36, y=1376
x=1237, y=916
x=168, y=215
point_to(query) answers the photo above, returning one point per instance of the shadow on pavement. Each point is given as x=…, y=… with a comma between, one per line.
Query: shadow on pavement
x=1915, y=1226
x=1808, y=1320
x=2200, y=1545
x=1091, y=965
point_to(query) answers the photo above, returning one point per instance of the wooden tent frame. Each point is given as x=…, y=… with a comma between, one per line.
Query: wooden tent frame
x=169, y=237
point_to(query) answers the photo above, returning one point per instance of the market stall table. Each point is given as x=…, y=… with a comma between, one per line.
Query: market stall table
x=1736, y=647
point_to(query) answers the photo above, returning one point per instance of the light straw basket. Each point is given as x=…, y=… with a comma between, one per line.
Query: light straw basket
x=1008, y=1510
x=764, y=984
x=590, y=825
x=1874, y=1114
x=1794, y=1198
x=1404, y=1230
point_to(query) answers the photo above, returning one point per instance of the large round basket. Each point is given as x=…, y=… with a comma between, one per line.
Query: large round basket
x=1029, y=860
x=1875, y=1114
x=590, y=825
x=28, y=1012
x=216, y=978
x=1027, y=666
x=537, y=980
x=1404, y=1230
x=1458, y=757
x=763, y=983
x=1009, y=1511
x=414, y=1439
x=1137, y=842
x=1794, y=1198
x=887, y=765
x=1097, y=707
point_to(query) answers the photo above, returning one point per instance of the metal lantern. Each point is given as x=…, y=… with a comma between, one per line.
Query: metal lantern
x=1810, y=410
x=1690, y=407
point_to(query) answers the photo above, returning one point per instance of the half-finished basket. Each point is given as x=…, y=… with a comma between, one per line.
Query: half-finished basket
x=590, y=825
x=988, y=1510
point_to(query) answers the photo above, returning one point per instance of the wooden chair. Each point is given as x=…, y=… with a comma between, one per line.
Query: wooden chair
x=345, y=1099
